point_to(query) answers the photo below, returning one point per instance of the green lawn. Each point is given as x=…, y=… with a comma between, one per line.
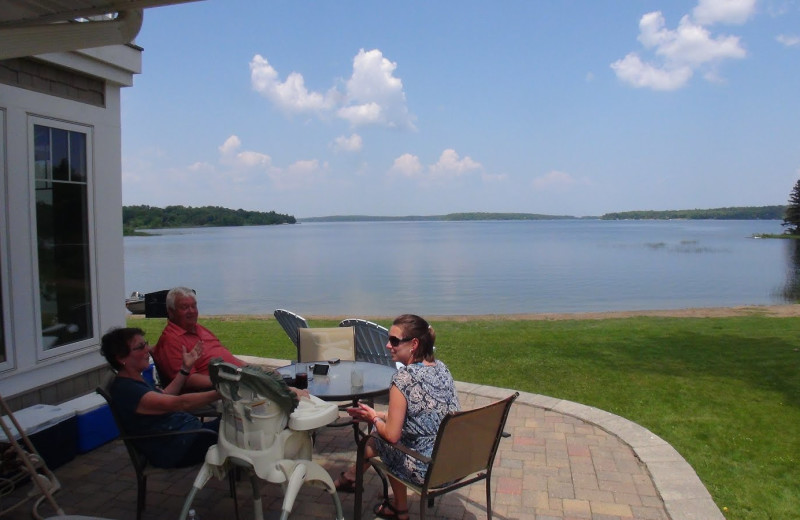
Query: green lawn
x=725, y=392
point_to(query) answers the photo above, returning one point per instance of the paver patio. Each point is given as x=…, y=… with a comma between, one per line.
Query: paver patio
x=563, y=461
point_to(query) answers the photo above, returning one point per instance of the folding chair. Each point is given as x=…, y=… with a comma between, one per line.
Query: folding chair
x=371, y=340
x=290, y=323
x=463, y=453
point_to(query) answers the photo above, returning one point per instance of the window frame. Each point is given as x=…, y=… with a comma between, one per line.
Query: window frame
x=5, y=278
x=91, y=341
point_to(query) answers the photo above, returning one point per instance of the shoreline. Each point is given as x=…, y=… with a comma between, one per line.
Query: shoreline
x=768, y=311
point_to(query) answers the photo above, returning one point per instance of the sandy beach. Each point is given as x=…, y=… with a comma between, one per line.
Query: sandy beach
x=774, y=311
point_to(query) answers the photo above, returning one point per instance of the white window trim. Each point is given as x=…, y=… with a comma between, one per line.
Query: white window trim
x=93, y=340
x=5, y=277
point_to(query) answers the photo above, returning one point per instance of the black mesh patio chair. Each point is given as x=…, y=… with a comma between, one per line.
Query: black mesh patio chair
x=141, y=465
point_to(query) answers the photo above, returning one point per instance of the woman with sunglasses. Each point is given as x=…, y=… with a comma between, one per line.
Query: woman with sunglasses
x=422, y=393
x=142, y=408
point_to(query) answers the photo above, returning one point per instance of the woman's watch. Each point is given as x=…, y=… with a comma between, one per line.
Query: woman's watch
x=184, y=372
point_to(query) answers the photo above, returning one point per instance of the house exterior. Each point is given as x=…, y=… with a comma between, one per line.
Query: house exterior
x=61, y=245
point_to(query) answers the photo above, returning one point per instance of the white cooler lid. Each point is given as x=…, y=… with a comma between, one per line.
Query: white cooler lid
x=85, y=403
x=35, y=419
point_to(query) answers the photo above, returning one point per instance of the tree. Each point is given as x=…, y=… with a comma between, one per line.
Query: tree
x=791, y=219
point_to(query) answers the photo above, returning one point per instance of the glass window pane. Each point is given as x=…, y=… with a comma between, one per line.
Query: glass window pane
x=62, y=228
x=41, y=152
x=59, y=147
x=77, y=156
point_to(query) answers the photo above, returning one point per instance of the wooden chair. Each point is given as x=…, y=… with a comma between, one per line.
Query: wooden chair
x=141, y=465
x=371, y=340
x=290, y=323
x=464, y=452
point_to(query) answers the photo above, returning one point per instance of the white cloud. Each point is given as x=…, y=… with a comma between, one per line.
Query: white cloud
x=407, y=165
x=353, y=143
x=678, y=53
x=451, y=166
x=553, y=180
x=230, y=145
x=242, y=160
x=373, y=94
x=710, y=12
x=788, y=40
x=290, y=95
x=361, y=115
x=632, y=70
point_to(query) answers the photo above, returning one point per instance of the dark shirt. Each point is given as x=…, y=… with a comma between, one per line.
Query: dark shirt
x=162, y=452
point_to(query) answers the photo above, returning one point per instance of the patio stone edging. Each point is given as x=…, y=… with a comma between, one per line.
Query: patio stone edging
x=684, y=495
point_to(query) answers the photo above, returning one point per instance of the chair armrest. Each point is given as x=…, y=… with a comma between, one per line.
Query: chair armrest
x=155, y=435
x=405, y=449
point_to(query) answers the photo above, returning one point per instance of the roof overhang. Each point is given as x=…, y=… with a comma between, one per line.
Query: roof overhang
x=31, y=27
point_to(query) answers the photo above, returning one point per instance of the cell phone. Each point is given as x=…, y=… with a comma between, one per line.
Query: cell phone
x=333, y=361
x=320, y=369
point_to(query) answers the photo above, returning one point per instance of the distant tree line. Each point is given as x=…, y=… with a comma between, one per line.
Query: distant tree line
x=449, y=216
x=149, y=217
x=739, y=213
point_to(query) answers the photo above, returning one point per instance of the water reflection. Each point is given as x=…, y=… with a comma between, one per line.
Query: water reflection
x=791, y=291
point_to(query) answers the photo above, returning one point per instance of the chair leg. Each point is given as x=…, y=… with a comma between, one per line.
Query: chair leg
x=232, y=478
x=141, y=495
x=489, y=497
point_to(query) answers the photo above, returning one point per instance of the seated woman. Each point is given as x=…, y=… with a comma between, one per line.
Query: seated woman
x=422, y=393
x=143, y=408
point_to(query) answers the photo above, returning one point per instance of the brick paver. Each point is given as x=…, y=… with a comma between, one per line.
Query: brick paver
x=563, y=461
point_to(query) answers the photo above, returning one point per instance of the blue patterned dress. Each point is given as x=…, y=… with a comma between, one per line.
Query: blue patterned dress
x=431, y=394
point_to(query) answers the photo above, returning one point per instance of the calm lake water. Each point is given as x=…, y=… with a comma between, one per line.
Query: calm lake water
x=492, y=267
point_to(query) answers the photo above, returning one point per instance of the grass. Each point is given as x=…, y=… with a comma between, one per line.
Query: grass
x=725, y=392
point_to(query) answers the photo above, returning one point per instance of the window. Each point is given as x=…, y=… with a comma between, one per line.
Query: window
x=61, y=174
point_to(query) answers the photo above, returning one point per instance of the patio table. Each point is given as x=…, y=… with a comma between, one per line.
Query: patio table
x=337, y=386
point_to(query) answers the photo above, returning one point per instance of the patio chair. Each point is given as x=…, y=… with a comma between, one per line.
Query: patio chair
x=290, y=323
x=325, y=343
x=141, y=465
x=464, y=452
x=371, y=340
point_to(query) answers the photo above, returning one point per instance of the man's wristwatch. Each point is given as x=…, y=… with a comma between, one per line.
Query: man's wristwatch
x=184, y=372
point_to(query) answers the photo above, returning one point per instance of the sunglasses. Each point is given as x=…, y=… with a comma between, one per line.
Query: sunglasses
x=395, y=341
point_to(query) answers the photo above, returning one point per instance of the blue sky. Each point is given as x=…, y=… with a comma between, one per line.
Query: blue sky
x=424, y=108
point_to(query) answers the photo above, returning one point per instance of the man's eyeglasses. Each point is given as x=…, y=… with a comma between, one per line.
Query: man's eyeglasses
x=140, y=346
x=395, y=341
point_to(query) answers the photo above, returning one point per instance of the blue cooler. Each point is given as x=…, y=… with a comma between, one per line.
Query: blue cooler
x=53, y=430
x=95, y=424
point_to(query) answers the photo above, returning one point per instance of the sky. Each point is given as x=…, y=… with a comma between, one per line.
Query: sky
x=566, y=107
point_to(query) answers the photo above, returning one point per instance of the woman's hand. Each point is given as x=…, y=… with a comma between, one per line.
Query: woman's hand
x=362, y=413
x=191, y=357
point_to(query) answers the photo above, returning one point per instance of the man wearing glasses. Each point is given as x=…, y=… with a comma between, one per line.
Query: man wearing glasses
x=181, y=335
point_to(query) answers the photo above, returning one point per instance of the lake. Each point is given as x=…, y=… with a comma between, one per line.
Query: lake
x=476, y=267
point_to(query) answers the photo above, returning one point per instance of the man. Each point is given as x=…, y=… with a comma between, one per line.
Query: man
x=180, y=335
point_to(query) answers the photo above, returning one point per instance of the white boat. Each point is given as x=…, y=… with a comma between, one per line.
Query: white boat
x=135, y=303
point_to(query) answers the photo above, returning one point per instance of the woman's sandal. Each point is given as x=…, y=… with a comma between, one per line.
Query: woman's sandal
x=344, y=484
x=386, y=510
